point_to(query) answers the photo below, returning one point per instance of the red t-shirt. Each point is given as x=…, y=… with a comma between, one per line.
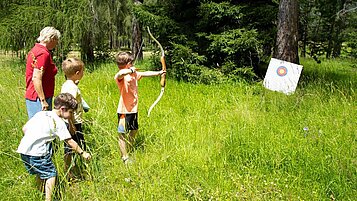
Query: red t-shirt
x=39, y=56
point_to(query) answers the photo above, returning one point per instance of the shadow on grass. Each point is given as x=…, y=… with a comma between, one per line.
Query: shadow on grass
x=338, y=80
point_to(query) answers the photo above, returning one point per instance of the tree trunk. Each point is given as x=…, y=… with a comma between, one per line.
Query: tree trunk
x=305, y=10
x=87, y=50
x=137, y=40
x=339, y=28
x=304, y=41
x=336, y=49
x=287, y=36
x=330, y=40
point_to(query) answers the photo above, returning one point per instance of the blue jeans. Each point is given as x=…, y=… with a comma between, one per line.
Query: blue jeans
x=39, y=165
x=35, y=106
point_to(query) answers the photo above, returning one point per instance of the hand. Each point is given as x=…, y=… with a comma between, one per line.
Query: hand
x=116, y=75
x=44, y=105
x=162, y=72
x=133, y=69
x=85, y=105
x=86, y=155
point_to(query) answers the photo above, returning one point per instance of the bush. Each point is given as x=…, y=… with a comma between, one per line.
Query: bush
x=239, y=46
x=187, y=66
x=245, y=73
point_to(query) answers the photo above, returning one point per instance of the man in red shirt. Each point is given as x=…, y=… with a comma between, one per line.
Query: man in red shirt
x=41, y=72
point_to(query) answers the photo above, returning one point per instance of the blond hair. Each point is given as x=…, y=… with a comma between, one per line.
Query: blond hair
x=71, y=65
x=124, y=58
x=48, y=34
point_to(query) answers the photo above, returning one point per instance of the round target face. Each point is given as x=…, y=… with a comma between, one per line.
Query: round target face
x=282, y=71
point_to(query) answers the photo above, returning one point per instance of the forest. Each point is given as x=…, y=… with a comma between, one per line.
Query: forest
x=204, y=41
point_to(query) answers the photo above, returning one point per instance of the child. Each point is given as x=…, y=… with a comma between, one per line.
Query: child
x=127, y=80
x=73, y=69
x=39, y=131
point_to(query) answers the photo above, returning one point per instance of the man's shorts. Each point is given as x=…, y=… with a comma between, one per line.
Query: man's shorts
x=39, y=165
x=78, y=137
x=127, y=122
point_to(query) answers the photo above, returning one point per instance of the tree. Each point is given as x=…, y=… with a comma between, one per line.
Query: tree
x=90, y=26
x=326, y=27
x=96, y=26
x=287, y=35
x=137, y=39
x=208, y=40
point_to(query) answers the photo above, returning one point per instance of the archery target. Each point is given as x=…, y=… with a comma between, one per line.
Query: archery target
x=282, y=76
x=282, y=71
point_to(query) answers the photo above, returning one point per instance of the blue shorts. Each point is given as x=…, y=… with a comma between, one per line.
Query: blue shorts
x=35, y=106
x=127, y=122
x=40, y=165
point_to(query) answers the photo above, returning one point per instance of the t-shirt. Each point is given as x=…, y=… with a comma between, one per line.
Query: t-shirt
x=40, y=130
x=39, y=56
x=128, y=86
x=70, y=87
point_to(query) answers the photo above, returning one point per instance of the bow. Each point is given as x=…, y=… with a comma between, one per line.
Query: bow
x=163, y=76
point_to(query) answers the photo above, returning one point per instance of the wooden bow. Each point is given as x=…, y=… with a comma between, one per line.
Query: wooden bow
x=163, y=76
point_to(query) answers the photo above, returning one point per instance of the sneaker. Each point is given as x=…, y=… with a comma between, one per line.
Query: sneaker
x=127, y=160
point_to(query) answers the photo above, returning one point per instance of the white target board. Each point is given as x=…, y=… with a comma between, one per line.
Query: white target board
x=282, y=76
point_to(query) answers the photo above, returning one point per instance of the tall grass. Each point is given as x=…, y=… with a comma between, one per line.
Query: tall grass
x=233, y=141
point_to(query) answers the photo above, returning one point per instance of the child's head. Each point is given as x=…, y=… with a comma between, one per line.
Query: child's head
x=73, y=66
x=66, y=101
x=124, y=59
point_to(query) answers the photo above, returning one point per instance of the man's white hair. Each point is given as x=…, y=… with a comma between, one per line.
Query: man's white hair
x=48, y=33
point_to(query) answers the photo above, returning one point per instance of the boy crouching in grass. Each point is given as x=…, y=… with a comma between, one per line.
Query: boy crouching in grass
x=39, y=131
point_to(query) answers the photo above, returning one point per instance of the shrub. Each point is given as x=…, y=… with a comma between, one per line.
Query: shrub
x=187, y=66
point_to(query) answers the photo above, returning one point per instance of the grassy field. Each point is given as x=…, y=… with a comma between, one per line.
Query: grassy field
x=223, y=142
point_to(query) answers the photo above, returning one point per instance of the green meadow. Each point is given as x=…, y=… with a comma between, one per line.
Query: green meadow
x=232, y=141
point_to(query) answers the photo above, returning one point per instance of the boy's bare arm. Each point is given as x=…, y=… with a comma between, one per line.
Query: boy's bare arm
x=73, y=144
x=152, y=73
x=124, y=72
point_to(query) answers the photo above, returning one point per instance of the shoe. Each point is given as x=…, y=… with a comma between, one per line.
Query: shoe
x=127, y=160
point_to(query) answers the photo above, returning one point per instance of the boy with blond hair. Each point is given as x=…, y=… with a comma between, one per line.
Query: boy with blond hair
x=39, y=131
x=127, y=80
x=73, y=69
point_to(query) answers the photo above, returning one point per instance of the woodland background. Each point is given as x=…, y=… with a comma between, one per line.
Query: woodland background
x=205, y=41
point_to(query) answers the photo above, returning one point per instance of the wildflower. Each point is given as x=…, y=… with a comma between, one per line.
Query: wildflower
x=306, y=129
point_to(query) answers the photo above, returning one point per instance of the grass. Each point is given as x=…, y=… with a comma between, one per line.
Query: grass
x=232, y=141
